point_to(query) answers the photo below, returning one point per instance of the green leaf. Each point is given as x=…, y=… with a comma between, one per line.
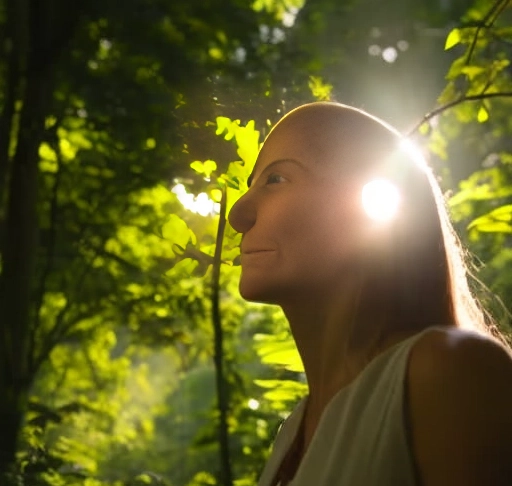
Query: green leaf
x=456, y=68
x=47, y=153
x=498, y=220
x=216, y=195
x=176, y=231
x=472, y=71
x=453, y=39
x=197, y=166
x=209, y=166
x=276, y=351
x=424, y=128
x=320, y=89
x=144, y=479
x=247, y=140
x=483, y=115
x=223, y=124
x=282, y=390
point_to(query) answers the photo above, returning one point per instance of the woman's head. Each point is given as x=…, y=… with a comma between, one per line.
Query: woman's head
x=306, y=233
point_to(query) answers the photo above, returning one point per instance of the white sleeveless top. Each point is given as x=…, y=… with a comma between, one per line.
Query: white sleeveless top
x=361, y=437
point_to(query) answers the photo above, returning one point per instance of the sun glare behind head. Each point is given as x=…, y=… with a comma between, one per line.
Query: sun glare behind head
x=409, y=147
x=381, y=200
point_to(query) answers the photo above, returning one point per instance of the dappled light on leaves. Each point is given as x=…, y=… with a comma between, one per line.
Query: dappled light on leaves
x=200, y=204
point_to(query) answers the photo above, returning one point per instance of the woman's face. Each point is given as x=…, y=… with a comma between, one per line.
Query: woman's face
x=301, y=220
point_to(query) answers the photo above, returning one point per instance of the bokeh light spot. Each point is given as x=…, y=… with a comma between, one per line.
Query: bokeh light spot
x=403, y=45
x=374, y=50
x=389, y=54
x=253, y=404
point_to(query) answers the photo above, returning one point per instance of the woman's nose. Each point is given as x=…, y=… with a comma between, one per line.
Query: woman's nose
x=243, y=214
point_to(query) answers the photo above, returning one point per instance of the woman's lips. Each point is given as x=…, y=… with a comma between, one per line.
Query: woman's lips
x=254, y=254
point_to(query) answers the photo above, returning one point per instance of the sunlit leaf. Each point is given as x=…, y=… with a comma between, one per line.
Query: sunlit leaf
x=424, y=128
x=223, y=124
x=209, y=166
x=483, y=115
x=47, y=153
x=197, y=166
x=176, y=231
x=216, y=195
x=456, y=68
x=453, y=39
x=247, y=140
x=472, y=71
x=279, y=352
x=319, y=88
x=498, y=220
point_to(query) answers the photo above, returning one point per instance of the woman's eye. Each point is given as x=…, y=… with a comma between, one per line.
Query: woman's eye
x=274, y=179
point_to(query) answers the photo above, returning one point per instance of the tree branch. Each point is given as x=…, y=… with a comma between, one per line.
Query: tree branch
x=458, y=101
x=48, y=267
x=59, y=328
x=486, y=23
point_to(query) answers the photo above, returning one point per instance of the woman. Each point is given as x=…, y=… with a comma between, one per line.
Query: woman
x=406, y=384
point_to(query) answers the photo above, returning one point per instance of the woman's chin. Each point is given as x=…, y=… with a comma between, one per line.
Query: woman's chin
x=258, y=293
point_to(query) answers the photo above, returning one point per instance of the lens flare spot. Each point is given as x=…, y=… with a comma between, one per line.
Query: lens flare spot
x=381, y=200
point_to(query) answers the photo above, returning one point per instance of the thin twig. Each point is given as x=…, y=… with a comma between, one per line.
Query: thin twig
x=218, y=357
x=458, y=101
x=503, y=6
x=486, y=23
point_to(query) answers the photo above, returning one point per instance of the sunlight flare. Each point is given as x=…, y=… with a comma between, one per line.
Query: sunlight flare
x=200, y=204
x=410, y=148
x=381, y=200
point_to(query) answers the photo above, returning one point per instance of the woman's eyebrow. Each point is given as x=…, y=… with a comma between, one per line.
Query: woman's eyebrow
x=272, y=164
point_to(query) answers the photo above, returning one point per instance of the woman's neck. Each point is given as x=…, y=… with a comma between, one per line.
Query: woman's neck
x=335, y=343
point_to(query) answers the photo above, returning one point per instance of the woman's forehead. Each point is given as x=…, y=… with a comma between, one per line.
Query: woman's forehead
x=317, y=140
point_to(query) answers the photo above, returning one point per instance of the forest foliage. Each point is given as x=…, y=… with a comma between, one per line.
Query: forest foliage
x=127, y=132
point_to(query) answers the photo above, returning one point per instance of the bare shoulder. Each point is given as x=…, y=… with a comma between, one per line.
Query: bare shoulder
x=460, y=409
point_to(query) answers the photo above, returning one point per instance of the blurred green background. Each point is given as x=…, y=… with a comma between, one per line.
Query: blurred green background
x=127, y=130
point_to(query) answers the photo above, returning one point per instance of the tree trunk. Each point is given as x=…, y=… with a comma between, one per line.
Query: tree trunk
x=6, y=122
x=19, y=247
x=15, y=51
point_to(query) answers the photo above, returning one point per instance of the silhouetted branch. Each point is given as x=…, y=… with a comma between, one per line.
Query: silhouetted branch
x=218, y=357
x=486, y=23
x=458, y=101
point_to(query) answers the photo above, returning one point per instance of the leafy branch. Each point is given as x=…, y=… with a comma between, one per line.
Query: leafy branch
x=453, y=38
x=486, y=23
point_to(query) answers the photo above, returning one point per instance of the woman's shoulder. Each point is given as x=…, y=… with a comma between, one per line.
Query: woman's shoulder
x=446, y=353
x=460, y=408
